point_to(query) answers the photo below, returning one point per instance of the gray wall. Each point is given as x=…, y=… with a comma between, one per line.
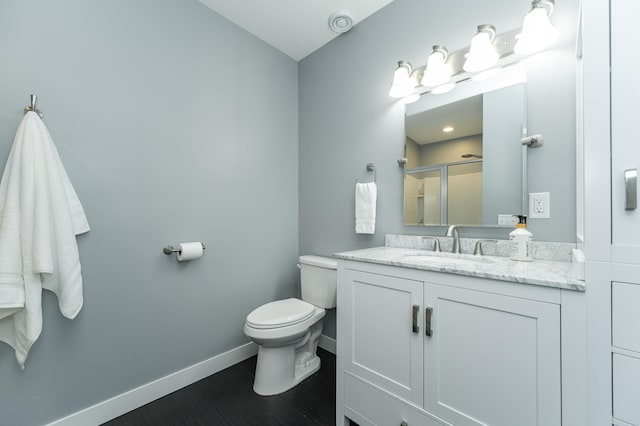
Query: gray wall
x=348, y=120
x=173, y=125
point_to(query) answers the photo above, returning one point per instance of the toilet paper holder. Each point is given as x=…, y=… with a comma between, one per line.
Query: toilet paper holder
x=171, y=249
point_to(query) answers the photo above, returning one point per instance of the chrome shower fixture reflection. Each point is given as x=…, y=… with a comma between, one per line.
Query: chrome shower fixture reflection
x=471, y=156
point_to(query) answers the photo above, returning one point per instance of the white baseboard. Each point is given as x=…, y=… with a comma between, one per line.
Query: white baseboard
x=327, y=343
x=123, y=403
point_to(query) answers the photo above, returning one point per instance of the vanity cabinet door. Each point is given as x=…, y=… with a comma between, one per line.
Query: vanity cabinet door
x=383, y=346
x=492, y=359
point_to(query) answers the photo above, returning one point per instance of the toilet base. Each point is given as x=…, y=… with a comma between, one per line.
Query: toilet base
x=280, y=369
x=307, y=369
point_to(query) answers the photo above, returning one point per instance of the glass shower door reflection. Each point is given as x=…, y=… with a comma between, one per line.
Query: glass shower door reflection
x=423, y=196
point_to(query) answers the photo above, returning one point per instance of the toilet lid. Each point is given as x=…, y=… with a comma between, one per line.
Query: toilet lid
x=280, y=313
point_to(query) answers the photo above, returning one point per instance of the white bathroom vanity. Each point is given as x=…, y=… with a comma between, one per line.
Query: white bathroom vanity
x=439, y=339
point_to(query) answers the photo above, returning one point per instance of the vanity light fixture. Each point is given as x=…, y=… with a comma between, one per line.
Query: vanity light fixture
x=482, y=54
x=402, y=85
x=437, y=71
x=445, y=70
x=537, y=31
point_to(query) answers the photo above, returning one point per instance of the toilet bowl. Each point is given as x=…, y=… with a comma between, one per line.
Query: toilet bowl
x=287, y=331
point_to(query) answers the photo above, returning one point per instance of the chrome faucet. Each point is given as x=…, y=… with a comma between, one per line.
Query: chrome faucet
x=453, y=232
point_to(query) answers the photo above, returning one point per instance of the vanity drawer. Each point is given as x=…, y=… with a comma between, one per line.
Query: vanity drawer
x=626, y=388
x=374, y=407
x=625, y=312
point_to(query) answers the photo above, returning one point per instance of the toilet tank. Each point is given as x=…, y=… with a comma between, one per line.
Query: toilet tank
x=318, y=280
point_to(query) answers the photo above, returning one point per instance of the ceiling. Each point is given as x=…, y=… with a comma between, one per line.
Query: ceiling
x=294, y=27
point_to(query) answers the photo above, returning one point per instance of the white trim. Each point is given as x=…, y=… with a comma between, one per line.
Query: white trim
x=130, y=400
x=327, y=343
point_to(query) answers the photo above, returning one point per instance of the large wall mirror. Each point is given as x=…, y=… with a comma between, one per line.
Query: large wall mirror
x=464, y=153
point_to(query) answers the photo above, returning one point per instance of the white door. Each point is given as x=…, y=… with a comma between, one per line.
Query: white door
x=491, y=359
x=383, y=342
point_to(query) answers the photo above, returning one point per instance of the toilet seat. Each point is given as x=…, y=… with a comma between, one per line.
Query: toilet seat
x=280, y=313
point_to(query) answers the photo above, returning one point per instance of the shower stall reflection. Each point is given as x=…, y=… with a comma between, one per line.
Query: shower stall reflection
x=447, y=193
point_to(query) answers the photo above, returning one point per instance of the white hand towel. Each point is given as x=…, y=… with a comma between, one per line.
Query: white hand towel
x=40, y=215
x=366, y=195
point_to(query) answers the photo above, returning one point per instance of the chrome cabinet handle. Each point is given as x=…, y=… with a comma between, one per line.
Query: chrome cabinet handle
x=415, y=328
x=427, y=321
x=631, y=189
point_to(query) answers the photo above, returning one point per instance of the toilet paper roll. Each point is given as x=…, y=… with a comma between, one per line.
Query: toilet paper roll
x=190, y=251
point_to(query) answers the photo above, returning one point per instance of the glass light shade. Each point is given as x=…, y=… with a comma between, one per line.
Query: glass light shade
x=437, y=71
x=402, y=85
x=482, y=54
x=537, y=32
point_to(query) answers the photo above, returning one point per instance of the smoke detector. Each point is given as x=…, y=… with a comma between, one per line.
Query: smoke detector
x=340, y=22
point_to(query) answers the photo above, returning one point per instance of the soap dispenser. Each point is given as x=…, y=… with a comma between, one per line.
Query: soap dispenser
x=520, y=239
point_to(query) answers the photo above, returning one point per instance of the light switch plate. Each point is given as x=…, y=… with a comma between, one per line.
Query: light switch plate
x=507, y=220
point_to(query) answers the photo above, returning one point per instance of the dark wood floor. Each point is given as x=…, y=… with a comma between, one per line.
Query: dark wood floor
x=227, y=398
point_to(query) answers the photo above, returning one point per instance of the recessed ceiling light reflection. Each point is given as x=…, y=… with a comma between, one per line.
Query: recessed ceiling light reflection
x=447, y=129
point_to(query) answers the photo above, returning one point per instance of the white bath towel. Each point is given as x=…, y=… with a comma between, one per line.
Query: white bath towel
x=366, y=195
x=11, y=294
x=40, y=215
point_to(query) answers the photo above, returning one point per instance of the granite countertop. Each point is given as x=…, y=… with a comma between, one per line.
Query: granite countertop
x=546, y=273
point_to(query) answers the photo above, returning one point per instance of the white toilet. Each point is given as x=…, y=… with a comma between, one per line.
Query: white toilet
x=287, y=331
